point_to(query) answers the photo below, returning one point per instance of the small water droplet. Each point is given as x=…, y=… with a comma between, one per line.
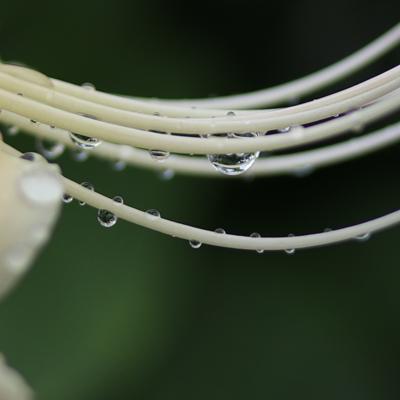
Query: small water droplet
x=67, y=198
x=82, y=141
x=29, y=156
x=153, y=214
x=303, y=171
x=167, y=174
x=364, y=237
x=79, y=155
x=50, y=150
x=88, y=86
x=220, y=231
x=159, y=155
x=106, y=218
x=87, y=186
x=195, y=244
x=231, y=114
x=284, y=130
x=257, y=235
x=119, y=165
x=118, y=200
x=290, y=251
x=12, y=130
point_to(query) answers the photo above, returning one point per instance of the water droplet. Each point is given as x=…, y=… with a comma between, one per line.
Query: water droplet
x=167, y=175
x=159, y=155
x=106, y=218
x=12, y=130
x=88, y=86
x=82, y=141
x=79, y=155
x=67, y=198
x=364, y=237
x=41, y=187
x=50, y=150
x=234, y=163
x=284, y=130
x=118, y=200
x=29, y=156
x=231, y=114
x=119, y=165
x=220, y=231
x=153, y=214
x=303, y=171
x=257, y=235
x=87, y=186
x=290, y=251
x=195, y=244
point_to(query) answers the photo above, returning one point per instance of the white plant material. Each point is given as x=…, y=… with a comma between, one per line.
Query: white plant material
x=30, y=199
x=12, y=385
x=49, y=108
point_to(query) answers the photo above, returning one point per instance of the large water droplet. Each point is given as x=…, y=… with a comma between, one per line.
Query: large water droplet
x=195, y=244
x=50, y=150
x=88, y=186
x=85, y=142
x=220, y=231
x=234, y=163
x=106, y=218
x=257, y=235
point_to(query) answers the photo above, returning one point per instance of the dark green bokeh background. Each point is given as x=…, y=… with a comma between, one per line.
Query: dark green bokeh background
x=127, y=313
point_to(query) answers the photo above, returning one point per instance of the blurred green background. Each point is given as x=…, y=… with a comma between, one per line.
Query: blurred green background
x=127, y=313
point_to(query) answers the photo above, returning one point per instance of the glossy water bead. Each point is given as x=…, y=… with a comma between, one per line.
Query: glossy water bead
x=88, y=186
x=290, y=251
x=195, y=244
x=85, y=142
x=106, y=218
x=234, y=163
x=159, y=155
x=153, y=214
x=257, y=235
x=50, y=150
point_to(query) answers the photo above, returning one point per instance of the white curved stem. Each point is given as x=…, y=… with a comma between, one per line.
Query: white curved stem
x=225, y=240
x=273, y=165
x=257, y=121
x=179, y=144
x=263, y=98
